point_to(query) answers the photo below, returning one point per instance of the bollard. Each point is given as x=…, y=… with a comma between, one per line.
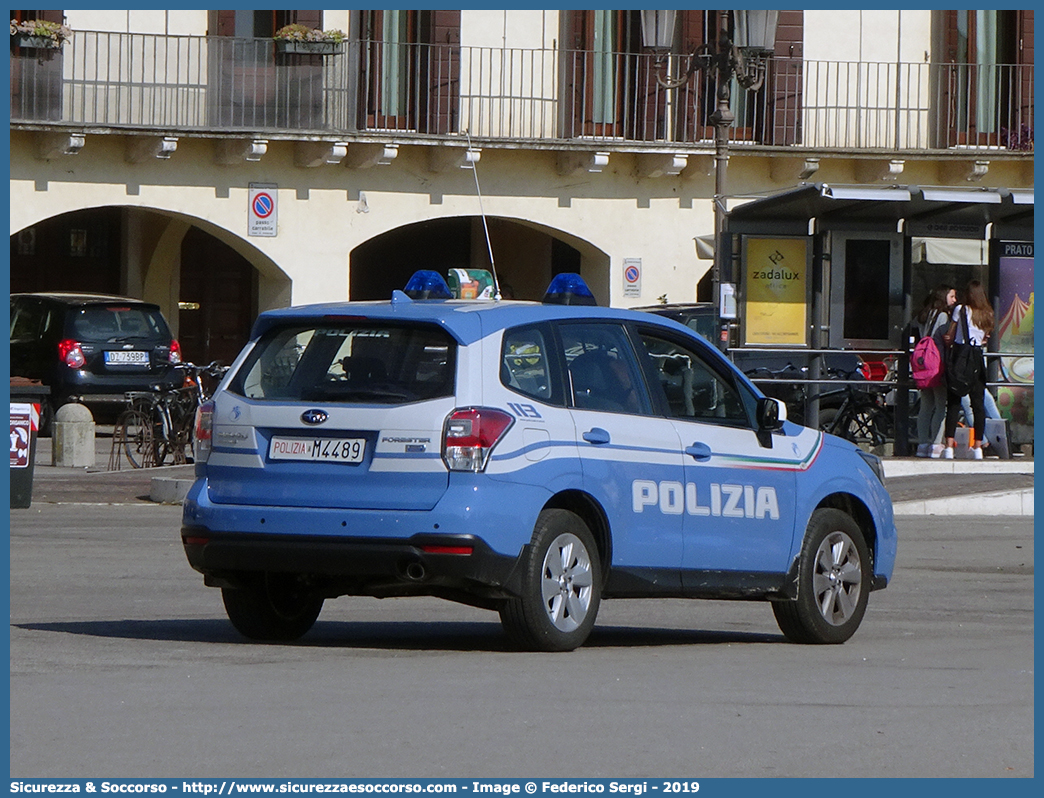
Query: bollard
x=72, y=441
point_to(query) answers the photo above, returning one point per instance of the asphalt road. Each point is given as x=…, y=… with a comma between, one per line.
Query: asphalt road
x=123, y=665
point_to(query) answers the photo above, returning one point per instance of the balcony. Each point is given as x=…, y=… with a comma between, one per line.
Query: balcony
x=218, y=85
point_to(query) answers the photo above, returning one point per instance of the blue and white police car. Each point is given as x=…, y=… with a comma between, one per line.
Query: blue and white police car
x=529, y=458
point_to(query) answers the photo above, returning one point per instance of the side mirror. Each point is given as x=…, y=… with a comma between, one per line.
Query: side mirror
x=771, y=413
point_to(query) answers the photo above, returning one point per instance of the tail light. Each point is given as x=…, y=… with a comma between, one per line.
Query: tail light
x=864, y=369
x=204, y=431
x=469, y=436
x=70, y=353
x=175, y=351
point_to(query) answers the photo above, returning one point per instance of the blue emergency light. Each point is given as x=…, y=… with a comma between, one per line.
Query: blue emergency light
x=427, y=284
x=568, y=288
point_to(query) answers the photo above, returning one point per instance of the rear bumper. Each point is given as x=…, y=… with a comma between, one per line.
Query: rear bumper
x=91, y=388
x=109, y=389
x=421, y=565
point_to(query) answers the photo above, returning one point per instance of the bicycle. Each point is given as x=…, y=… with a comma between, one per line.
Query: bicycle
x=158, y=425
x=795, y=394
x=863, y=417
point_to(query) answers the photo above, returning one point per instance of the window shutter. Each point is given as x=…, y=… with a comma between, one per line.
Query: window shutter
x=441, y=35
x=222, y=23
x=951, y=48
x=1024, y=31
x=573, y=62
x=311, y=19
x=785, y=78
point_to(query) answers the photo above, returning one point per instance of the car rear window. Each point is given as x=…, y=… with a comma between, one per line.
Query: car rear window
x=118, y=324
x=365, y=363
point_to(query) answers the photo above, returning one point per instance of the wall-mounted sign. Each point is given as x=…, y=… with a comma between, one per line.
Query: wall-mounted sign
x=632, y=274
x=261, y=211
x=727, y=301
x=775, y=308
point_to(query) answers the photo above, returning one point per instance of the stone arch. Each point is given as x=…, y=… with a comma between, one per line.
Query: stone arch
x=148, y=245
x=527, y=255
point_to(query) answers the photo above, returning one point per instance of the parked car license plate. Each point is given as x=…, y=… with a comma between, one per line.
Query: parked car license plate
x=339, y=450
x=127, y=358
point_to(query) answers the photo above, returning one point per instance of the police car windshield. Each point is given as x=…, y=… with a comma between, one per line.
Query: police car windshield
x=346, y=362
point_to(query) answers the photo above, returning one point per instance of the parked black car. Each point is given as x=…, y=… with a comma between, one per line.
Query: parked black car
x=702, y=317
x=91, y=348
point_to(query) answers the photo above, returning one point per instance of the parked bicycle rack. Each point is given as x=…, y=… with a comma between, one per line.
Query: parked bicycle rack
x=158, y=425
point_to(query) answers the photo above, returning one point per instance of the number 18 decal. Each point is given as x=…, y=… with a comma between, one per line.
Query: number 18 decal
x=524, y=410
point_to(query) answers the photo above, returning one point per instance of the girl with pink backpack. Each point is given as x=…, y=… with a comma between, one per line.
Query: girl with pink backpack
x=931, y=323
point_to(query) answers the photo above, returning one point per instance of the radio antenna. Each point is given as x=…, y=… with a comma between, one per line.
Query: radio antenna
x=485, y=224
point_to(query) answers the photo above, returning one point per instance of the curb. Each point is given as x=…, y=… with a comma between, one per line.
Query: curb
x=921, y=467
x=165, y=490
x=1006, y=503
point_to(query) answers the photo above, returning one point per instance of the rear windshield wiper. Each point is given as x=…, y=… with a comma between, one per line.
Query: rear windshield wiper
x=379, y=395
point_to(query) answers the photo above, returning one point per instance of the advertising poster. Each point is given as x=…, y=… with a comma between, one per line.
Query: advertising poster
x=776, y=298
x=1015, y=331
x=21, y=434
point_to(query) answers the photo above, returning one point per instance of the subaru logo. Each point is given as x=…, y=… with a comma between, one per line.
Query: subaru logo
x=314, y=417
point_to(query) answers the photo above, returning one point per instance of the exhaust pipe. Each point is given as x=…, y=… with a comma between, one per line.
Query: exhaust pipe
x=416, y=571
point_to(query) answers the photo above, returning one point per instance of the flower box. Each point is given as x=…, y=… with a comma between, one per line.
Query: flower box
x=27, y=42
x=294, y=47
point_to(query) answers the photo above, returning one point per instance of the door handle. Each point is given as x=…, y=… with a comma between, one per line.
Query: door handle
x=596, y=435
x=698, y=451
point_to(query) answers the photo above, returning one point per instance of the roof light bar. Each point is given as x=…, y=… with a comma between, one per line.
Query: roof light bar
x=426, y=284
x=568, y=289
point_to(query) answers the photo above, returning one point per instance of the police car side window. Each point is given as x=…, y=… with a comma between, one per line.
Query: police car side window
x=692, y=388
x=527, y=363
x=602, y=370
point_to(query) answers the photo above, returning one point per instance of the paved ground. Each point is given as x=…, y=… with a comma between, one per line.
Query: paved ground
x=123, y=664
x=941, y=485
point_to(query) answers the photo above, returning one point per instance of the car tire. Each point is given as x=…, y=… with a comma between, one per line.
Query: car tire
x=272, y=607
x=561, y=586
x=45, y=428
x=833, y=582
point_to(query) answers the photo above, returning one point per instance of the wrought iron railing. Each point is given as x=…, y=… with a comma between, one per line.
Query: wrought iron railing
x=223, y=84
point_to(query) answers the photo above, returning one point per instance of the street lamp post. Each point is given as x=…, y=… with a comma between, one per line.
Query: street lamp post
x=743, y=57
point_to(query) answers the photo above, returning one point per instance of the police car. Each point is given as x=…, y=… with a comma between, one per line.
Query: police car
x=529, y=458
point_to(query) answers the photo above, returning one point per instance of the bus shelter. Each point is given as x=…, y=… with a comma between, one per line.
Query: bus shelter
x=845, y=267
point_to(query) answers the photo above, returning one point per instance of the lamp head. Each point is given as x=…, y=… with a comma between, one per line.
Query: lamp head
x=658, y=30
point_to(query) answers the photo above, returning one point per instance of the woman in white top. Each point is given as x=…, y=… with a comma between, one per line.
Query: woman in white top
x=979, y=314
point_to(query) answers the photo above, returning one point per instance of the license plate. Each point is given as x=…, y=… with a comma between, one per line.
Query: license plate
x=127, y=358
x=334, y=450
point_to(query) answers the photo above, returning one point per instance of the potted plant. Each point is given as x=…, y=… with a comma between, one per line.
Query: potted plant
x=301, y=39
x=39, y=34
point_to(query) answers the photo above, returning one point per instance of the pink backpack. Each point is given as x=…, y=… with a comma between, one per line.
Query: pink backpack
x=926, y=362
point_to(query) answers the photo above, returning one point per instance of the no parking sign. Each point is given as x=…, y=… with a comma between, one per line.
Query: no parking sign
x=632, y=273
x=261, y=213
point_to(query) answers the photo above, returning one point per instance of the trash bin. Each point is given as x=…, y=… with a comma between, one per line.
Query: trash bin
x=26, y=397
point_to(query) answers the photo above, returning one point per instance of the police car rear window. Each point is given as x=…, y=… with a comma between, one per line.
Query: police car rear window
x=352, y=363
